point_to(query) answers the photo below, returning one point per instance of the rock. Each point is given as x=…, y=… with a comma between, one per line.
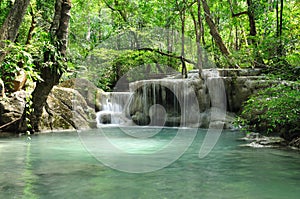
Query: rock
x=140, y=119
x=12, y=107
x=254, y=145
x=66, y=109
x=172, y=121
x=229, y=72
x=226, y=92
x=105, y=118
x=259, y=141
x=272, y=141
x=88, y=90
x=251, y=137
x=295, y=143
x=172, y=95
x=2, y=89
x=206, y=118
x=19, y=80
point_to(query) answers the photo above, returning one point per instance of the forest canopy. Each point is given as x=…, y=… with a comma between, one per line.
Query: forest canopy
x=59, y=39
x=250, y=33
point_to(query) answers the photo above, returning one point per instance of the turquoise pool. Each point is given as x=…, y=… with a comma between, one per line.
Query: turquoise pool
x=57, y=165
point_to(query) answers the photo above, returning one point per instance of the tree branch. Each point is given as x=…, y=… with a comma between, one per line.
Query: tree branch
x=122, y=14
x=109, y=6
x=232, y=12
x=239, y=14
x=168, y=55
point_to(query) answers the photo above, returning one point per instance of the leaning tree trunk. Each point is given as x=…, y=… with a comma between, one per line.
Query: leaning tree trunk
x=59, y=32
x=10, y=27
x=213, y=29
x=197, y=26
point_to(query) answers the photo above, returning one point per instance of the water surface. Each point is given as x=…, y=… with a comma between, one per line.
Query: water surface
x=57, y=165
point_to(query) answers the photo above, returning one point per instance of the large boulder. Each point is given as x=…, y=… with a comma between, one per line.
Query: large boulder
x=88, y=90
x=66, y=108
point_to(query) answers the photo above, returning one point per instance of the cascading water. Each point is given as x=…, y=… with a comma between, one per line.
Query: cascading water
x=113, y=105
x=191, y=102
x=164, y=102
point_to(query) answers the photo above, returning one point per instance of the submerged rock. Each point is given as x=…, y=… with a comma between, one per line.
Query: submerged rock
x=259, y=141
x=140, y=119
x=295, y=143
x=104, y=118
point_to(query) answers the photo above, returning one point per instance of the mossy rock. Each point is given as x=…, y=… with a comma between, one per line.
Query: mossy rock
x=88, y=90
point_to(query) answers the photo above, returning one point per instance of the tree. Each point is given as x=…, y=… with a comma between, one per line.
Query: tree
x=251, y=16
x=213, y=29
x=11, y=25
x=279, y=26
x=51, y=73
x=182, y=7
x=198, y=25
x=253, y=30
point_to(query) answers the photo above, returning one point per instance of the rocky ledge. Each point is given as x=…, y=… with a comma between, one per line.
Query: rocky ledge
x=256, y=140
x=70, y=105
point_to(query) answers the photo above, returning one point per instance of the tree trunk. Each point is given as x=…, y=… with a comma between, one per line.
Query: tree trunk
x=280, y=48
x=184, y=69
x=63, y=28
x=197, y=26
x=39, y=97
x=201, y=34
x=281, y=13
x=181, y=6
x=236, y=44
x=50, y=75
x=251, y=16
x=32, y=26
x=277, y=19
x=10, y=27
x=213, y=29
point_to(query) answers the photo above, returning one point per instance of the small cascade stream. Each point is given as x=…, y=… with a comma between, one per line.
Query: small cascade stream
x=113, y=106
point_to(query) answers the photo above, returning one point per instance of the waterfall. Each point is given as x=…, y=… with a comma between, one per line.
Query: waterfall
x=191, y=102
x=164, y=102
x=113, y=106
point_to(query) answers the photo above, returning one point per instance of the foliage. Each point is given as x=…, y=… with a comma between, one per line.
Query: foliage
x=27, y=112
x=132, y=59
x=105, y=67
x=282, y=70
x=30, y=58
x=274, y=110
x=30, y=55
x=5, y=5
x=17, y=60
